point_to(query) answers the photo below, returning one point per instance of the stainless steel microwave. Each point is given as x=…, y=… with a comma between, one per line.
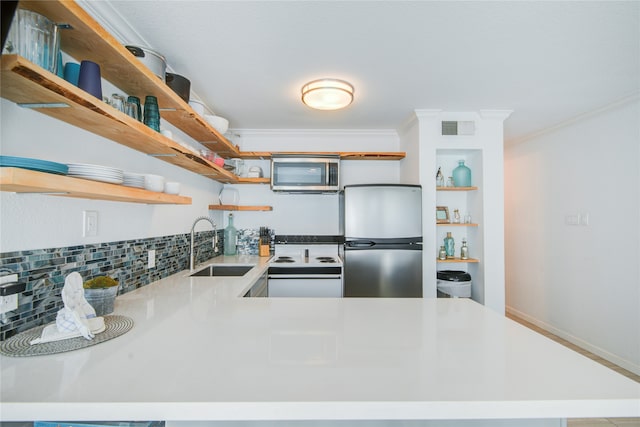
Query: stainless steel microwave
x=311, y=173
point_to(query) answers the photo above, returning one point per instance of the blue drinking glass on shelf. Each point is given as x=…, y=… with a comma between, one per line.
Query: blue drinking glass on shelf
x=71, y=72
x=135, y=100
x=151, y=113
x=462, y=175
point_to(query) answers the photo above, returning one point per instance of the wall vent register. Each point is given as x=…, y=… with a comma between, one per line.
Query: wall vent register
x=458, y=128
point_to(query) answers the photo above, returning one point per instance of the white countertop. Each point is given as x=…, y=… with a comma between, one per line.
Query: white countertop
x=198, y=351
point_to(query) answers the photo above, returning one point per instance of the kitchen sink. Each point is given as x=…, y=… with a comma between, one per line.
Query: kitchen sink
x=223, y=270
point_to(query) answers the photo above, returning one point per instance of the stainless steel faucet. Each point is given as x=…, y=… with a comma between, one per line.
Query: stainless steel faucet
x=215, y=239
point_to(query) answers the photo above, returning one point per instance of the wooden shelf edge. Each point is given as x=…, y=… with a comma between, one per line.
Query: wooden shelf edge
x=265, y=155
x=457, y=260
x=27, y=181
x=453, y=224
x=245, y=180
x=456, y=188
x=239, y=208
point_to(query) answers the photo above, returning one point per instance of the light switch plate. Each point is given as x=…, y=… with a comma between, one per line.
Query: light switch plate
x=89, y=223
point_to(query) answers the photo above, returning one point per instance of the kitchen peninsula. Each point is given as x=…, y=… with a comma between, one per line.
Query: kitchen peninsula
x=200, y=351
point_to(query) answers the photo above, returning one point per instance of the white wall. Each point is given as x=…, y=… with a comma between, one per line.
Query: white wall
x=580, y=282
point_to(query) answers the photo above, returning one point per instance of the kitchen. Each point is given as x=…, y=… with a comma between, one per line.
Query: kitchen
x=27, y=225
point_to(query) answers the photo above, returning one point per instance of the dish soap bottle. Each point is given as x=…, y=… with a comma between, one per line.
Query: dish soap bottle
x=462, y=175
x=449, y=245
x=230, y=237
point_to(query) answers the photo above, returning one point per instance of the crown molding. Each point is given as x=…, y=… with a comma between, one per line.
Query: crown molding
x=113, y=22
x=634, y=96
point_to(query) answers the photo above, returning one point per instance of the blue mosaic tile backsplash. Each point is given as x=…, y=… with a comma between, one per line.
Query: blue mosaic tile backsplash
x=44, y=270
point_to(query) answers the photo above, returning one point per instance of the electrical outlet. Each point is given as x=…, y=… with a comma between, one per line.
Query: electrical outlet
x=8, y=303
x=89, y=223
x=584, y=219
x=10, y=278
x=151, y=258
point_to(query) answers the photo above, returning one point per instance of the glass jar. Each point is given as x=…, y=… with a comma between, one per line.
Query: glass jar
x=462, y=175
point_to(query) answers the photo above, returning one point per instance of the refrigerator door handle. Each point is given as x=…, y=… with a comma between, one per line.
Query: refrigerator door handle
x=360, y=244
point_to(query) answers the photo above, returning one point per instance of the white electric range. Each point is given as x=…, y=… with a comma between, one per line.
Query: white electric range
x=306, y=266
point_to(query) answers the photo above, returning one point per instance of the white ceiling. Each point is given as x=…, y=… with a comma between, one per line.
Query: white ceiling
x=247, y=60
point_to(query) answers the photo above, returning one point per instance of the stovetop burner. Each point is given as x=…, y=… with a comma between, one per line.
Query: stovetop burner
x=284, y=259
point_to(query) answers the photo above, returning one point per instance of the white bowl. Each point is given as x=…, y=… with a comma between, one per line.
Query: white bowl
x=219, y=123
x=154, y=183
x=172, y=187
x=197, y=106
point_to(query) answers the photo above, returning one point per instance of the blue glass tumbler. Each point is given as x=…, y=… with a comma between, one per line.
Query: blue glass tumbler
x=151, y=113
x=72, y=72
x=136, y=100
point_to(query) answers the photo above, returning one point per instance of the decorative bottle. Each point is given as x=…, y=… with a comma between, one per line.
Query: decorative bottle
x=462, y=175
x=464, y=250
x=230, y=237
x=439, y=178
x=449, y=245
x=442, y=254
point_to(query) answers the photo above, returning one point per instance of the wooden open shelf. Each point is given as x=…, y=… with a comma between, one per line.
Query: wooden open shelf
x=456, y=188
x=88, y=40
x=27, y=84
x=27, y=181
x=453, y=224
x=263, y=155
x=239, y=208
x=458, y=260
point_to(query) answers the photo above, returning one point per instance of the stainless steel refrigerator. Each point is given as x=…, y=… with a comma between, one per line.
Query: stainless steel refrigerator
x=382, y=226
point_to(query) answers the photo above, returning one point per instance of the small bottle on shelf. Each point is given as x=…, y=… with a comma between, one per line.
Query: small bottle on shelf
x=439, y=178
x=449, y=245
x=464, y=250
x=442, y=254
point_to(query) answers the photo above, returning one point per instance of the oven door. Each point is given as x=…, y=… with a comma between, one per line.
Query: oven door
x=305, y=286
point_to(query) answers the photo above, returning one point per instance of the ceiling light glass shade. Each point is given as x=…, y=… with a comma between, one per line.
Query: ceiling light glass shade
x=327, y=94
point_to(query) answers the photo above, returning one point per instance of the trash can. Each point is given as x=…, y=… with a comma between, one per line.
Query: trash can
x=454, y=284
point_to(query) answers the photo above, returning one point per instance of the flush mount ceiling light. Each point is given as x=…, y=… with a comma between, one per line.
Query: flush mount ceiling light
x=327, y=94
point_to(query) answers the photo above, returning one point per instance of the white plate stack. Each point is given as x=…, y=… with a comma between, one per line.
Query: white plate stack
x=134, y=179
x=96, y=173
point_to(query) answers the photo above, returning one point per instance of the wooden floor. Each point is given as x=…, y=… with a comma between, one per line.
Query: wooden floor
x=588, y=422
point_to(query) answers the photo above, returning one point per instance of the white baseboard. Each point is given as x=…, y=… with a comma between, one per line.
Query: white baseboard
x=629, y=366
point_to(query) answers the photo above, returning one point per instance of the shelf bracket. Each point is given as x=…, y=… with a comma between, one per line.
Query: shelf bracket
x=43, y=105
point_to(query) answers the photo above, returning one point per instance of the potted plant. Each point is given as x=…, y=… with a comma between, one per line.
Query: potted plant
x=101, y=293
